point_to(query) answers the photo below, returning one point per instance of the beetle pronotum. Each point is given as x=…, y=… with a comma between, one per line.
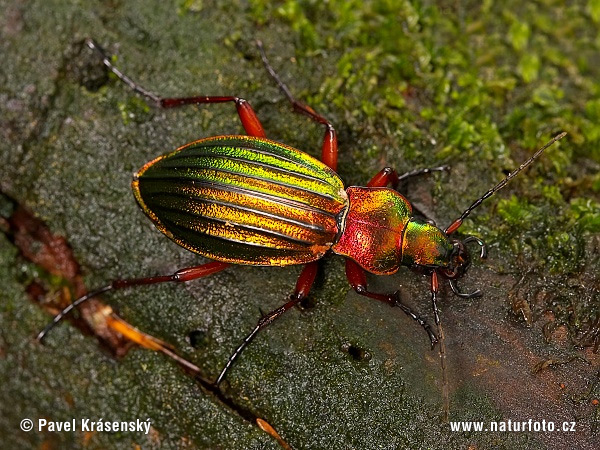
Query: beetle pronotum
x=250, y=200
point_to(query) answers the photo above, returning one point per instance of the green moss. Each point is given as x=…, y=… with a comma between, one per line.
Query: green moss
x=594, y=9
x=295, y=13
x=479, y=94
x=518, y=34
x=585, y=215
x=187, y=6
x=134, y=109
x=515, y=212
x=529, y=67
x=550, y=234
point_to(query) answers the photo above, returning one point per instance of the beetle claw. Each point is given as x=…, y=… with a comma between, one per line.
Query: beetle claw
x=433, y=338
x=460, y=294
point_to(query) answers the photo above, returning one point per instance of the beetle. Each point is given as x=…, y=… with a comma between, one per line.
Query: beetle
x=245, y=199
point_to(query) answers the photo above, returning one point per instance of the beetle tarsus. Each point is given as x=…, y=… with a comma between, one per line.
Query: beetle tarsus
x=237, y=352
x=262, y=322
x=432, y=336
x=120, y=75
x=425, y=171
x=329, y=148
x=358, y=280
x=303, y=286
x=57, y=318
x=248, y=117
x=182, y=275
x=481, y=243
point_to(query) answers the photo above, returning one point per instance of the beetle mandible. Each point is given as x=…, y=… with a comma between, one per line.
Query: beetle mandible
x=250, y=200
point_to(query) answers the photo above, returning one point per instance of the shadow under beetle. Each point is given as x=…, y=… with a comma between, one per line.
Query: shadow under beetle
x=250, y=200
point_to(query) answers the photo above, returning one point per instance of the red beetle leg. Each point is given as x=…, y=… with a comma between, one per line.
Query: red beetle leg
x=388, y=176
x=358, y=280
x=247, y=115
x=303, y=286
x=385, y=176
x=329, y=148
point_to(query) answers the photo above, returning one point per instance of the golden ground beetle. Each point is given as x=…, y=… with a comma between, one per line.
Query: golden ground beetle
x=251, y=200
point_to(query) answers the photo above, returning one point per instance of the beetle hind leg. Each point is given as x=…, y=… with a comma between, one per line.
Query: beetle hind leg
x=248, y=117
x=303, y=286
x=182, y=275
x=329, y=149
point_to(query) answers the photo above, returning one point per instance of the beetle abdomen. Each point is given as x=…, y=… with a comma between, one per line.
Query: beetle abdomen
x=244, y=200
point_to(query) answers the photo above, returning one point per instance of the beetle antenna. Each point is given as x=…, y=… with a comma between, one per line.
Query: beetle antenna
x=458, y=222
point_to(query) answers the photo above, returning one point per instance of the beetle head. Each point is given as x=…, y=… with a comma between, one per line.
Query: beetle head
x=427, y=248
x=460, y=258
x=459, y=262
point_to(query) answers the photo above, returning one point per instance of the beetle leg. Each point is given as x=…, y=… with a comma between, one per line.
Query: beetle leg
x=425, y=171
x=329, y=149
x=458, y=293
x=438, y=323
x=358, y=280
x=247, y=115
x=303, y=285
x=387, y=175
x=249, y=119
x=182, y=275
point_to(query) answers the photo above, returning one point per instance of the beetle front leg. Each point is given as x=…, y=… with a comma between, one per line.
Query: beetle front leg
x=358, y=280
x=329, y=148
x=445, y=385
x=248, y=117
x=303, y=286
